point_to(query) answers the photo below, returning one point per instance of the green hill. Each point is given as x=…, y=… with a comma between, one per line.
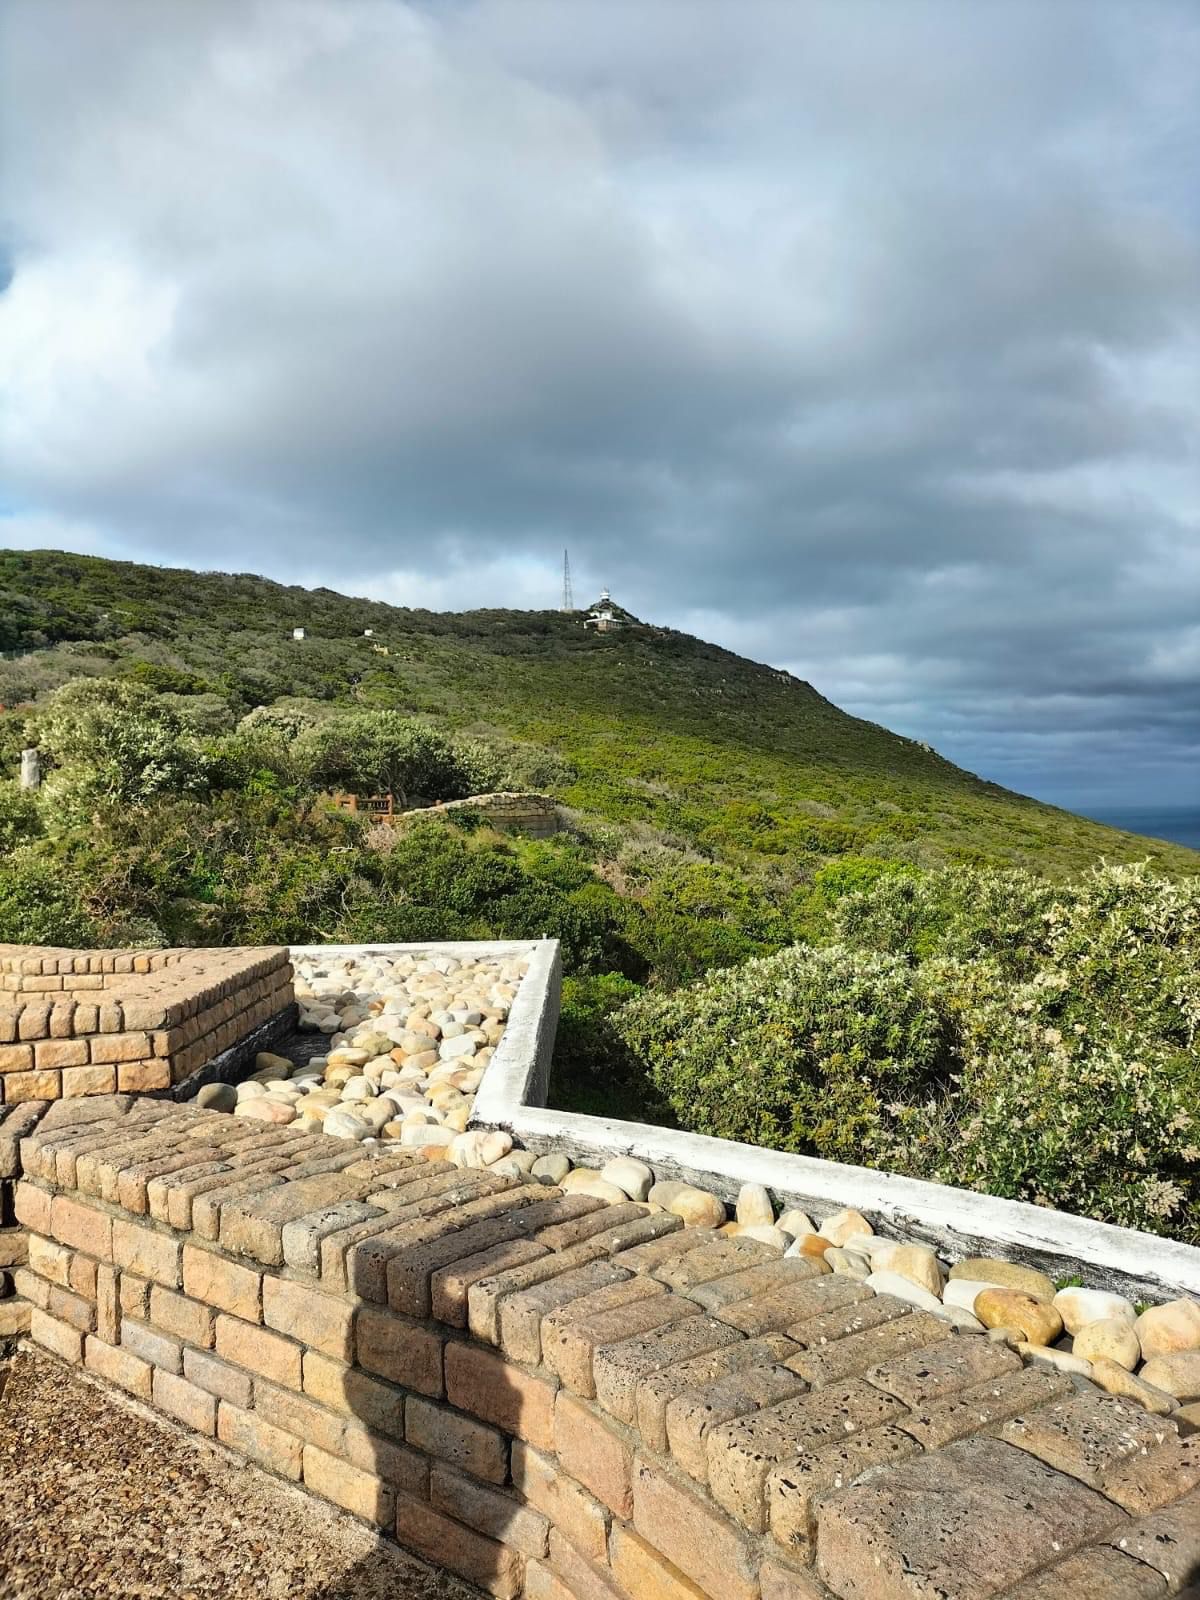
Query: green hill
x=658, y=733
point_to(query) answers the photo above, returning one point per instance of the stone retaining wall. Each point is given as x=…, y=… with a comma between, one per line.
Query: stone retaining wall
x=574, y=1401
x=507, y=812
x=96, y=1022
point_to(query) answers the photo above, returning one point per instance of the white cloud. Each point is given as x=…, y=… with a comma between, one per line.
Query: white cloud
x=863, y=338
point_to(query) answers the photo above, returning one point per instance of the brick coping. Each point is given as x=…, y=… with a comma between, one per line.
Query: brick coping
x=557, y=1398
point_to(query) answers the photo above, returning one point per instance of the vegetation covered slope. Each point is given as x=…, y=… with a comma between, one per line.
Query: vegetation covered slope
x=660, y=734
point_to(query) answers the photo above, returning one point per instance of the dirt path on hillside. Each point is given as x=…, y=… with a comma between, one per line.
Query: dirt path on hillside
x=100, y=1500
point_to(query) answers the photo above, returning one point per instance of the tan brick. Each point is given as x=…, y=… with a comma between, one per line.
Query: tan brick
x=451, y=1285
x=571, y=1336
x=253, y=1226
x=814, y=1333
x=316, y=1319
x=268, y=1354
x=780, y=1309
x=491, y=1388
x=877, y=1348
x=980, y=1408
x=82, y=1276
x=377, y=1404
x=521, y=1315
x=400, y=1468
x=137, y=1077
x=1101, y=1573
x=81, y=1226
x=159, y=1349
x=21, y=1086
x=493, y=1512
x=187, y=1319
x=605, y=1220
x=182, y=1400
x=442, y=1242
x=718, y=1260
x=669, y=1247
x=134, y=1294
x=1143, y=1483
x=973, y=1519
x=482, y=1561
x=485, y=1296
x=259, y=1440
x=108, y=1308
x=32, y=1207
x=356, y=1491
x=70, y=1308
x=58, y=1337
x=16, y=1058
x=136, y=1247
x=210, y=1373
x=476, y=1448
x=656, y=1391
x=406, y=1353
x=221, y=1283
x=15, y=1317
x=32, y=1288
x=580, y=1578
x=60, y=1053
x=88, y=1080
x=692, y=1415
x=117, y=1366
x=1088, y=1436
x=581, y=1518
x=795, y=1489
x=133, y=1181
x=49, y=1260
x=782, y=1272
x=788, y=1583
x=594, y=1452
x=643, y=1574
x=119, y=1047
x=691, y=1534
x=741, y=1454
x=618, y=1369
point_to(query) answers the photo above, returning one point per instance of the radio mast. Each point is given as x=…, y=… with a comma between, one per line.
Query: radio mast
x=568, y=599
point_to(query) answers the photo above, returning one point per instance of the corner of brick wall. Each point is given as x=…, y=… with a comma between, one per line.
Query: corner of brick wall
x=552, y=1397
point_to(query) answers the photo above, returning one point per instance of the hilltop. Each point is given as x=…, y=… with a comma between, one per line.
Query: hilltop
x=645, y=728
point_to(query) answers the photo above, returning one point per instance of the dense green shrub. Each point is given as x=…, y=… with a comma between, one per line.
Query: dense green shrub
x=20, y=818
x=805, y=1050
x=111, y=744
x=38, y=905
x=381, y=752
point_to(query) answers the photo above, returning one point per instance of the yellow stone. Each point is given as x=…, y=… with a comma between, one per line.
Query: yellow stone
x=1110, y=1339
x=1036, y=1319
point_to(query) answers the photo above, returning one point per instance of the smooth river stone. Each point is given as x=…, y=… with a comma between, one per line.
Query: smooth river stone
x=633, y=1178
x=1162, y=1330
x=1112, y=1338
x=266, y=1108
x=1178, y=1374
x=753, y=1206
x=697, y=1208
x=1078, y=1307
x=1037, y=1320
x=916, y=1262
x=345, y=1125
x=217, y=1097
x=1008, y=1274
x=844, y=1225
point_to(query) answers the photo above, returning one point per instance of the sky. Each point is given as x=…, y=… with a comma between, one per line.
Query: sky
x=862, y=337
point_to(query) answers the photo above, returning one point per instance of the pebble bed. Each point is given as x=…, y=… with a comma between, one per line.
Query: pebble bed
x=409, y=1039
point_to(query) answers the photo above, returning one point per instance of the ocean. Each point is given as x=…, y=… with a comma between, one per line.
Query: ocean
x=1179, y=824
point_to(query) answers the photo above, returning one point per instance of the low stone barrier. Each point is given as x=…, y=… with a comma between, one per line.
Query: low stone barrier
x=560, y=1398
x=97, y=1022
x=507, y=812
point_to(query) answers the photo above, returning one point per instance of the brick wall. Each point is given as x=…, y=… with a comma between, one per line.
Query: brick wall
x=560, y=1399
x=98, y=1022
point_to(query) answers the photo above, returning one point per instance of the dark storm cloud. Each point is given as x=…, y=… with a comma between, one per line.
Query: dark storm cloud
x=864, y=338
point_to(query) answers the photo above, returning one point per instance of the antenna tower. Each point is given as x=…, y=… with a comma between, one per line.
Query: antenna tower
x=568, y=599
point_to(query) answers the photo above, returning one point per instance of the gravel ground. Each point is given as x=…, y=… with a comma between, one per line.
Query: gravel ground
x=102, y=1500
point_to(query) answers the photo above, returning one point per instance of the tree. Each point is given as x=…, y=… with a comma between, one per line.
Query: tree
x=113, y=744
